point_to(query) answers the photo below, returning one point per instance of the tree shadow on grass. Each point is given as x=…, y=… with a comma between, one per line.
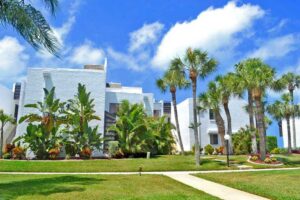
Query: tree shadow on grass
x=287, y=161
x=45, y=186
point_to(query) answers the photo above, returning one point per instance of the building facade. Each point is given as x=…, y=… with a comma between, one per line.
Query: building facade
x=208, y=132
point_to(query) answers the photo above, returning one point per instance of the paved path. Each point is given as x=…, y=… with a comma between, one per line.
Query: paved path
x=214, y=189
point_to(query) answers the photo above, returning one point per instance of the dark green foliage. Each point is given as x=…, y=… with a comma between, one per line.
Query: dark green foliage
x=209, y=149
x=271, y=143
x=242, y=141
x=30, y=23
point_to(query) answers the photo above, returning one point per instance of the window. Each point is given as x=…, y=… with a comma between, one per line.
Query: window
x=156, y=113
x=214, y=139
x=16, y=111
x=113, y=108
x=211, y=114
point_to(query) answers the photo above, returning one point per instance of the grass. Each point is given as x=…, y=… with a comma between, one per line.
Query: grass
x=25, y=187
x=159, y=163
x=277, y=185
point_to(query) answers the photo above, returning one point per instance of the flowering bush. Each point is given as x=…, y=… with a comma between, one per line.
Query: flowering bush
x=86, y=153
x=254, y=158
x=268, y=160
x=220, y=150
x=18, y=153
x=8, y=148
x=53, y=153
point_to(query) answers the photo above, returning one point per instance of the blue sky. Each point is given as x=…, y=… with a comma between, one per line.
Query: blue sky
x=140, y=37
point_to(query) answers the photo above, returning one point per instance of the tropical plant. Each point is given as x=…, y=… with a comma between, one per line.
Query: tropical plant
x=30, y=23
x=212, y=99
x=4, y=120
x=173, y=79
x=284, y=110
x=290, y=81
x=271, y=143
x=208, y=149
x=131, y=128
x=199, y=65
x=79, y=113
x=242, y=141
x=257, y=77
x=161, y=131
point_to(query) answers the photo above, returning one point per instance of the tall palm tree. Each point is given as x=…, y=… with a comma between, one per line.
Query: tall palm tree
x=228, y=86
x=173, y=79
x=258, y=77
x=4, y=119
x=212, y=99
x=284, y=110
x=199, y=65
x=30, y=23
x=291, y=81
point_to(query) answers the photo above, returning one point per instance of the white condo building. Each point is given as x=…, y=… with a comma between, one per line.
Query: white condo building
x=208, y=132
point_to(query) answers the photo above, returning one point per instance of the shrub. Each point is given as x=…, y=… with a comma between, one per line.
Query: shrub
x=273, y=159
x=241, y=141
x=113, y=148
x=254, y=158
x=271, y=143
x=119, y=154
x=268, y=160
x=8, y=148
x=18, y=153
x=86, y=153
x=208, y=149
x=220, y=150
x=283, y=151
x=275, y=151
x=53, y=153
x=6, y=156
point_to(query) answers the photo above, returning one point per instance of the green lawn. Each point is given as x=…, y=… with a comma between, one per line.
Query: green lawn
x=96, y=187
x=160, y=163
x=277, y=185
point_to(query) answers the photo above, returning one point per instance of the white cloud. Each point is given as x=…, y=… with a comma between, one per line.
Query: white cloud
x=278, y=26
x=277, y=47
x=129, y=61
x=86, y=54
x=147, y=34
x=13, y=59
x=212, y=30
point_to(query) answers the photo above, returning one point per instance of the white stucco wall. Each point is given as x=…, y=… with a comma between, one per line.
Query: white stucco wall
x=285, y=134
x=185, y=115
x=65, y=82
x=6, y=100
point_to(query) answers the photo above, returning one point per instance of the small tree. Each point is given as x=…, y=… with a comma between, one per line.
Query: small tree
x=4, y=120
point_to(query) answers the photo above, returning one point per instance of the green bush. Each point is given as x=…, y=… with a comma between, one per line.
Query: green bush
x=6, y=156
x=271, y=143
x=283, y=151
x=113, y=148
x=254, y=158
x=275, y=151
x=268, y=160
x=241, y=141
x=208, y=149
x=273, y=159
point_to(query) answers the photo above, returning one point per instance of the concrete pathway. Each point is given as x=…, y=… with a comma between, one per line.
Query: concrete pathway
x=214, y=189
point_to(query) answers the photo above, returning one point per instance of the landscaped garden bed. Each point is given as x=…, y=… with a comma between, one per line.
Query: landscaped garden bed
x=269, y=160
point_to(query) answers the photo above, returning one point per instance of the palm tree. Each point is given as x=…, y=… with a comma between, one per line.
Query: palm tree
x=284, y=110
x=199, y=65
x=4, y=119
x=30, y=23
x=290, y=81
x=257, y=77
x=212, y=100
x=173, y=79
x=228, y=86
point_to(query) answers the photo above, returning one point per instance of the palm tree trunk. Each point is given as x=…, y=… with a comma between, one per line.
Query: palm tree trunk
x=221, y=128
x=229, y=126
x=2, y=142
x=260, y=127
x=251, y=120
x=177, y=122
x=197, y=146
x=289, y=135
x=294, y=123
